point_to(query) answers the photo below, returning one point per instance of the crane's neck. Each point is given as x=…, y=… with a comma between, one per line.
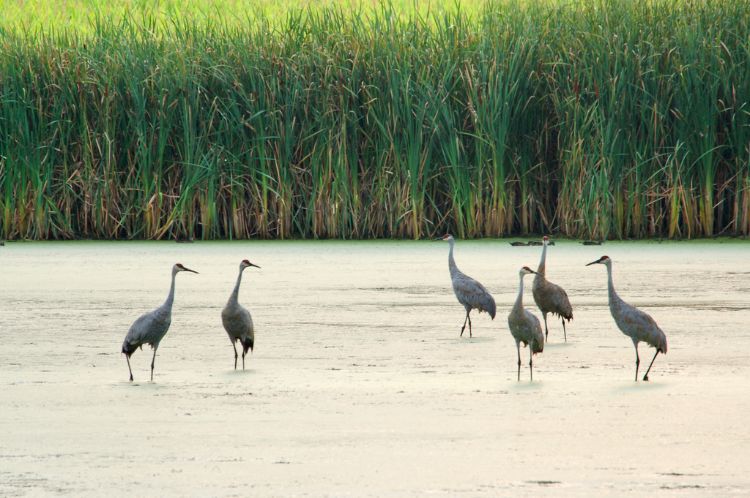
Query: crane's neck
x=451, y=262
x=543, y=261
x=519, y=300
x=170, y=298
x=610, y=285
x=236, y=291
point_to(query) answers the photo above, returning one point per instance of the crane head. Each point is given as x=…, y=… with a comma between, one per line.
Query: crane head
x=603, y=260
x=447, y=236
x=179, y=267
x=245, y=263
x=526, y=270
x=545, y=239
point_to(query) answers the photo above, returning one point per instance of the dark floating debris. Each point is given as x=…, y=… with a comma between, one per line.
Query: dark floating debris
x=530, y=243
x=592, y=242
x=2, y=242
x=184, y=240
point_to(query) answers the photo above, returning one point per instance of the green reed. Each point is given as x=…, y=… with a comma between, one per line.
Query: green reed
x=610, y=119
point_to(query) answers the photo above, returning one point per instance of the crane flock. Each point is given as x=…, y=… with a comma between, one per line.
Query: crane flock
x=150, y=328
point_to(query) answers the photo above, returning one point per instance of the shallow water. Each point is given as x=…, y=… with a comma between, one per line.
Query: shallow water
x=359, y=384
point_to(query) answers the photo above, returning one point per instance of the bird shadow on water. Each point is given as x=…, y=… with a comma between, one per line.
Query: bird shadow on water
x=141, y=384
x=526, y=385
x=640, y=386
x=239, y=372
x=558, y=345
x=480, y=339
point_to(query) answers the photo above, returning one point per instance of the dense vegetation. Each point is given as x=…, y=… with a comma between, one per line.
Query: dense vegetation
x=602, y=119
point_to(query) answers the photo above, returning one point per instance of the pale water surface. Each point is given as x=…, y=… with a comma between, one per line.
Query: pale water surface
x=359, y=384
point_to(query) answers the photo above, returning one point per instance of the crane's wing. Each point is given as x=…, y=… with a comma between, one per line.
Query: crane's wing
x=472, y=293
x=535, y=332
x=237, y=321
x=551, y=298
x=640, y=325
x=147, y=329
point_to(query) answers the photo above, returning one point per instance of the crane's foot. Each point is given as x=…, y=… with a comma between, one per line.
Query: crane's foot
x=131, y=378
x=645, y=377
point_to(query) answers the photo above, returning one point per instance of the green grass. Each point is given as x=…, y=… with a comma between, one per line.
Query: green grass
x=607, y=119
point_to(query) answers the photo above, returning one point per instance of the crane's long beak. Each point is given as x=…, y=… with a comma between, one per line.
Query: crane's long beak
x=188, y=269
x=594, y=262
x=253, y=264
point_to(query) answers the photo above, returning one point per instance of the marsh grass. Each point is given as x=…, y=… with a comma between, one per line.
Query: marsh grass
x=608, y=119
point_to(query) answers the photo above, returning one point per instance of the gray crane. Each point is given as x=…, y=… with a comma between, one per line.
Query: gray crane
x=550, y=298
x=151, y=327
x=237, y=320
x=633, y=322
x=468, y=291
x=525, y=327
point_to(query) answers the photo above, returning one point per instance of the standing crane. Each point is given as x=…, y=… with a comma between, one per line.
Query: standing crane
x=550, y=298
x=525, y=327
x=633, y=322
x=151, y=327
x=237, y=320
x=468, y=291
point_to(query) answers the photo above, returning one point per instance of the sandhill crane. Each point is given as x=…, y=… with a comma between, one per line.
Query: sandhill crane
x=468, y=291
x=525, y=327
x=550, y=298
x=151, y=327
x=237, y=320
x=633, y=322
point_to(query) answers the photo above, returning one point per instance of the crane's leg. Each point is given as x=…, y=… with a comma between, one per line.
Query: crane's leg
x=531, y=362
x=129, y=369
x=153, y=359
x=244, y=351
x=464, y=326
x=645, y=377
x=637, y=360
x=469, y=317
x=518, y=349
x=564, y=332
x=235, y=355
x=546, y=332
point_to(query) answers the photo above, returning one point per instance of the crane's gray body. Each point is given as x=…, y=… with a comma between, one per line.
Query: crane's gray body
x=470, y=293
x=150, y=328
x=237, y=321
x=549, y=297
x=632, y=322
x=525, y=328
